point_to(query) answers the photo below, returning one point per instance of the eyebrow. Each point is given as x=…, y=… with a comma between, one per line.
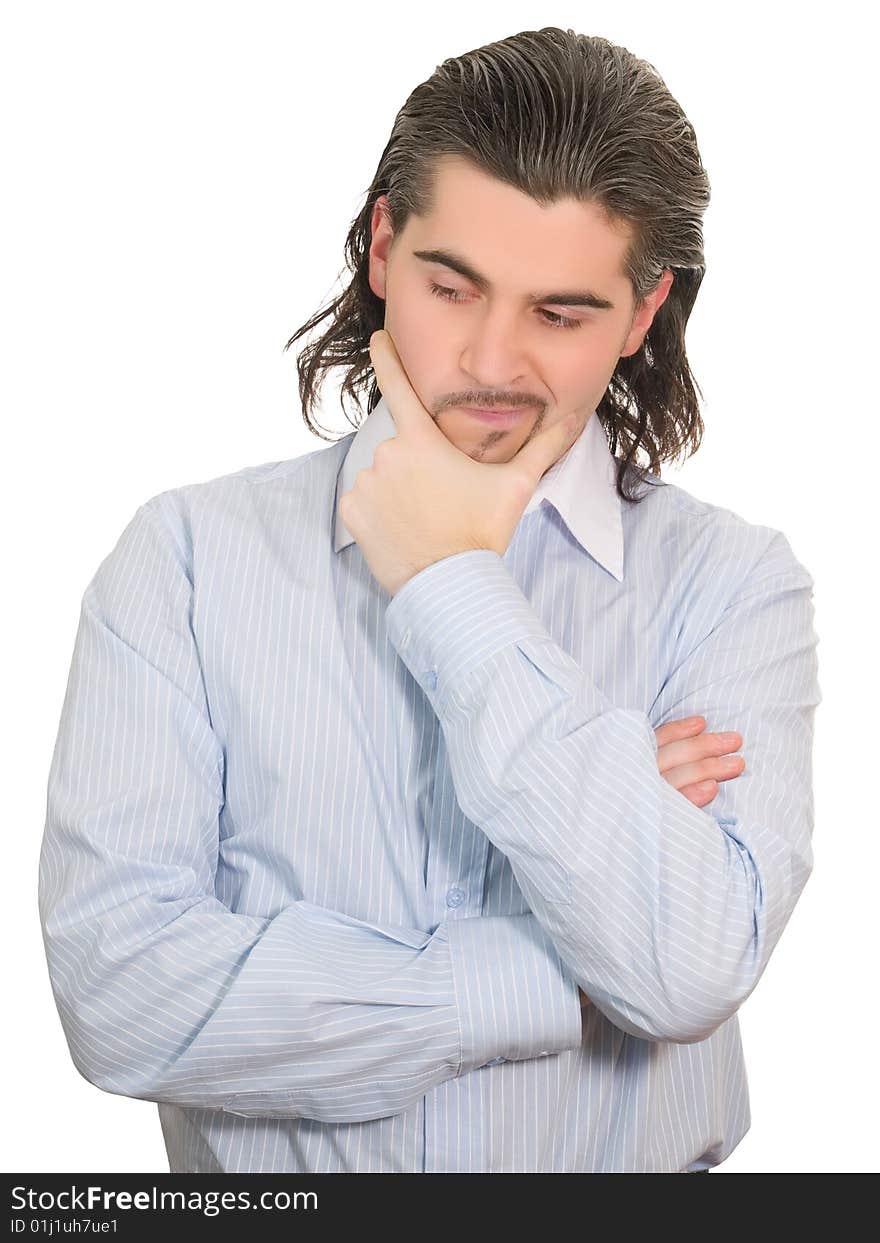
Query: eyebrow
x=570, y=297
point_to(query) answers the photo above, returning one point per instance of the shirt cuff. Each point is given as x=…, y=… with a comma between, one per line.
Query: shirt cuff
x=516, y=998
x=454, y=614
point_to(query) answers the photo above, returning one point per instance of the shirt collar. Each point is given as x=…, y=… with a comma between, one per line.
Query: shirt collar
x=580, y=486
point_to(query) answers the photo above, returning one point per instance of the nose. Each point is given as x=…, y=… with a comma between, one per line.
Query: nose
x=493, y=355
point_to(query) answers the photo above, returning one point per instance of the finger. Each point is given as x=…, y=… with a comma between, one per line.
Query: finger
x=714, y=768
x=700, y=792
x=677, y=752
x=679, y=741
x=401, y=398
x=538, y=454
x=685, y=728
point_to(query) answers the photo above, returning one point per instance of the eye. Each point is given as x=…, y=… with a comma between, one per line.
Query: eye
x=552, y=319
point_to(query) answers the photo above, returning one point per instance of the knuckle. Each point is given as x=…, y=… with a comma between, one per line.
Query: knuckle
x=726, y=739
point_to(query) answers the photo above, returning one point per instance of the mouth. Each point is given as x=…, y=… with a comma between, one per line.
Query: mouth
x=497, y=417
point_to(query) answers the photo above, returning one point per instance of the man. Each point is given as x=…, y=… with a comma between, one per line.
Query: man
x=377, y=833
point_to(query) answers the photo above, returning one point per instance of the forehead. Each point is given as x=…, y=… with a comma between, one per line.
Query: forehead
x=491, y=222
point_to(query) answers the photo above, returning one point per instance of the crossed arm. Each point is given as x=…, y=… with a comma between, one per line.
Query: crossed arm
x=693, y=761
x=665, y=912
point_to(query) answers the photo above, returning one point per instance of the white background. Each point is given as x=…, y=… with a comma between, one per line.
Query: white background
x=179, y=180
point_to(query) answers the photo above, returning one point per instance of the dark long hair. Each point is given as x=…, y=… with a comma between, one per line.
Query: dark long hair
x=553, y=114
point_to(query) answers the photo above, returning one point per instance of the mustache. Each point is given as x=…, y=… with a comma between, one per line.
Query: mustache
x=494, y=404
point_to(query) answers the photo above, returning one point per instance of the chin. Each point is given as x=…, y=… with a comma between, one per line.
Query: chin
x=501, y=451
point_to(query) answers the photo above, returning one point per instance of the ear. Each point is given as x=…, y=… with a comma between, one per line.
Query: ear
x=382, y=237
x=645, y=317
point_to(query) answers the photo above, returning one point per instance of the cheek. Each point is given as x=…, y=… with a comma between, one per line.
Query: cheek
x=590, y=355
x=415, y=354
x=418, y=342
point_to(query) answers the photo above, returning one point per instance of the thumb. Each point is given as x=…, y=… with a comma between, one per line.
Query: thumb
x=539, y=454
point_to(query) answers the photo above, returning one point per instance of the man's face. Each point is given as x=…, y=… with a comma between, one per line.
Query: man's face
x=494, y=346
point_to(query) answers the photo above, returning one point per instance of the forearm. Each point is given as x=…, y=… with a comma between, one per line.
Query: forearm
x=652, y=910
x=665, y=913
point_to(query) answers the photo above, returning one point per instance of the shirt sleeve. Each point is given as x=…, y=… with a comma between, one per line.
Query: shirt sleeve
x=666, y=913
x=167, y=995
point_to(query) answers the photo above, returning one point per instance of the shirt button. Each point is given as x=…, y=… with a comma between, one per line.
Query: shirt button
x=455, y=896
x=404, y=638
x=496, y=1060
x=431, y=678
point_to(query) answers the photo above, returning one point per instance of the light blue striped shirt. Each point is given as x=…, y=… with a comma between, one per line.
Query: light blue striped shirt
x=323, y=870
